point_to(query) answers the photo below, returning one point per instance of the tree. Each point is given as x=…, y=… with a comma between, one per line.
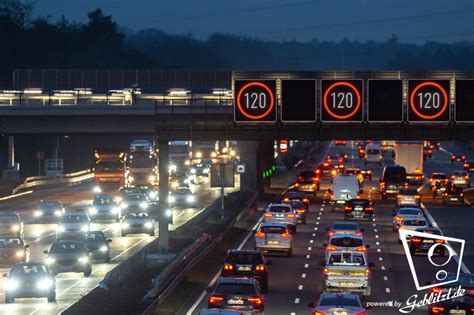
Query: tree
x=16, y=11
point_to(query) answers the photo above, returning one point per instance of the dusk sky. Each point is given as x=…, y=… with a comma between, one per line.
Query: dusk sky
x=410, y=20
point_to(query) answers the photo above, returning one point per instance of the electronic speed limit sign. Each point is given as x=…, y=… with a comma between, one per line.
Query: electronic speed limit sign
x=341, y=100
x=428, y=100
x=255, y=101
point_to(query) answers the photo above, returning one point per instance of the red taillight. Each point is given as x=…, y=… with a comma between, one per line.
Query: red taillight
x=415, y=239
x=325, y=271
x=348, y=208
x=316, y=179
x=331, y=233
x=290, y=215
x=440, y=241
x=260, y=268
x=300, y=179
x=466, y=165
x=453, y=157
x=286, y=234
x=228, y=267
x=463, y=157
x=358, y=233
x=398, y=219
x=255, y=300
x=318, y=171
x=268, y=215
x=360, y=313
x=259, y=234
x=437, y=309
x=445, y=194
x=331, y=248
x=286, y=199
x=361, y=249
x=382, y=184
x=300, y=211
x=326, y=164
x=215, y=299
x=461, y=194
x=435, y=290
x=297, y=185
x=318, y=313
x=369, y=209
x=305, y=200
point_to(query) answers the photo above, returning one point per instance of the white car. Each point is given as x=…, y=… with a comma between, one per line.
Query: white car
x=274, y=237
x=404, y=212
x=281, y=213
x=138, y=223
x=344, y=188
x=73, y=223
x=182, y=196
x=373, y=154
x=346, y=242
x=460, y=179
x=140, y=145
x=412, y=223
x=134, y=202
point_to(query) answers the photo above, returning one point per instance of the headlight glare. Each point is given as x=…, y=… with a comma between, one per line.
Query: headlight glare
x=50, y=260
x=148, y=225
x=171, y=199
x=38, y=213
x=103, y=248
x=58, y=213
x=144, y=205
x=11, y=285
x=44, y=284
x=61, y=228
x=84, y=260
x=190, y=198
x=85, y=228
x=125, y=225
x=93, y=210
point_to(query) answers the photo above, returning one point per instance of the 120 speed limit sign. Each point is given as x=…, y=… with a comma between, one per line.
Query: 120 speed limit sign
x=428, y=100
x=341, y=100
x=255, y=101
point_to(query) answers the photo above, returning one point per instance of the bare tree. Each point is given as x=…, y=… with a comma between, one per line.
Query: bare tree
x=17, y=11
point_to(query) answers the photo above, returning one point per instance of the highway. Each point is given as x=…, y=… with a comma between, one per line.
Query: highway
x=296, y=281
x=72, y=286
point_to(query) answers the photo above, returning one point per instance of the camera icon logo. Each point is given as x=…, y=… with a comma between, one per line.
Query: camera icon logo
x=439, y=241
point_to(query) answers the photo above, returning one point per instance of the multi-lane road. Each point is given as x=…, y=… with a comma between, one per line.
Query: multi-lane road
x=71, y=286
x=296, y=281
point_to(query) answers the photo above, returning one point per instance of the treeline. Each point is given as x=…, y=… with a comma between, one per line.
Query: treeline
x=100, y=43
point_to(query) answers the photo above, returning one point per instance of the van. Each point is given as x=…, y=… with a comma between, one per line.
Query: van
x=373, y=154
x=394, y=178
x=344, y=187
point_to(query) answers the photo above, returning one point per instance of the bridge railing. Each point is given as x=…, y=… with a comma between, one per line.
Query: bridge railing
x=66, y=180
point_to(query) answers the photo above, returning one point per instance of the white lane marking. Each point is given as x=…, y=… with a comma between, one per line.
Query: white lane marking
x=316, y=228
x=310, y=248
x=318, y=218
x=308, y=256
x=387, y=290
x=376, y=236
x=380, y=258
x=375, y=230
x=297, y=301
x=306, y=265
x=383, y=267
x=292, y=313
x=317, y=223
x=311, y=241
x=385, y=278
x=374, y=225
x=445, y=151
x=378, y=250
x=300, y=287
x=303, y=275
x=377, y=243
x=314, y=234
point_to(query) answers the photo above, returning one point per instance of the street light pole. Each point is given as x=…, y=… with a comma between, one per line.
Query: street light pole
x=222, y=191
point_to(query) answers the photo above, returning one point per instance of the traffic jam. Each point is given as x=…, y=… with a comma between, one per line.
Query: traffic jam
x=331, y=242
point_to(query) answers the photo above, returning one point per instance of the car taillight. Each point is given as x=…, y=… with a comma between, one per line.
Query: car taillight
x=402, y=227
x=361, y=249
x=313, y=185
x=453, y=177
x=297, y=185
x=466, y=165
x=360, y=313
x=300, y=211
x=361, y=151
x=445, y=194
x=382, y=184
x=316, y=179
x=259, y=234
x=417, y=197
x=228, y=267
x=415, y=239
x=325, y=271
x=286, y=234
x=366, y=271
x=300, y=179
x=286, y=199
x=331, y=233
x=358, y=233
x=255, y=300
x=348, y=208
x=305, y=200
x=463, y=157
x=453, y=157
x=369, y=209
x=318, y=171
x=398, y=218
x=318, y=313
x=446, y=180
x=461, y=194
x=215, y=299
x=333, y=172
x=440, y=241
x=268, y=215
x=435, y=290
x=437, y=309
x=399, y=196
x=260, y=268
x=331, y=248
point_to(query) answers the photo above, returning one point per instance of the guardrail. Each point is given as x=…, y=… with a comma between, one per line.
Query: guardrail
x=70, y=179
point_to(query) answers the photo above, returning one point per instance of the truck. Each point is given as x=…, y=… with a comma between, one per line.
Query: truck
x=179, y=153
x=409, y=154
x=109, y=167
x=141, y=168
x=344, y=187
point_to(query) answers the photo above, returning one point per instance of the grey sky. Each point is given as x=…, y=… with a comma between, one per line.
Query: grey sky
x=411, y=20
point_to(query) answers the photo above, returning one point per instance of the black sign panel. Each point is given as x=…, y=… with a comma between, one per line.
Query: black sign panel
x=341, y=100
x=298, y=100
x=385, y=100
x=428, y=100
x=464, y=101
x=255, y=101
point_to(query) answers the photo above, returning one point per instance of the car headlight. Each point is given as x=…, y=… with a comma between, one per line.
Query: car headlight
x=131, y=179
x=205, y=171
x=115, y=210
x=193, y=171
x=38, y=213
x=16, y=228
x=171, y=199
x=58, y=213
x=84, y=260
x=103, y=248
x=44, y=284
x=172, y=168
x=11, y=285
x=85, y=228
x=97, y=190
x=124, y=205
x=144, y=205
x=213, y=154
x=50, y=261
x=20, y=253
x=174, y=185
x=125, y=225
x=190, y=199
x=169, y=213
x=148, y=225
x=93, y=210
x=199, y=155
x=152, y=195
x=61, y=228
x=151, y=178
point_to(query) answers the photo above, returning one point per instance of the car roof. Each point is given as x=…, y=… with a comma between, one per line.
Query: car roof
x=414, y=217
x=339, y=295
x=345, y=222
x=278, y=224
x=236, y=280
x=351, y=235
x=279, y=205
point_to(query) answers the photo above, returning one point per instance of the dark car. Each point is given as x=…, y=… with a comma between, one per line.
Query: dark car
x=307, y=182
x=29, y=280
x=393, y=179
x=469, y=166
x=325, y=170
x=461, y=305
x=367, y=174
x=458, y=158
x=465, y=281
x=342, y=157
x=300, y=209
x=453, y=194
x=420, y=245
x=98, y=244
x=49, y=211
x=296, y=196
x=14, y=249
x=69, y=256
x=241, y=294
x=359, y=209
x=247, y=263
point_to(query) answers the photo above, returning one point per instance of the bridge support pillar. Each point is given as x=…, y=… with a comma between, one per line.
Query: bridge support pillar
x=164, y=210
x=248, y=157
x=12, y=170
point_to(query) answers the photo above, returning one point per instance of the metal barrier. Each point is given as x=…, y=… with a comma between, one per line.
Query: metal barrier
x=53, y=182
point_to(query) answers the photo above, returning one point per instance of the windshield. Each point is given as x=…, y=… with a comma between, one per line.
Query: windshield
x=339, y=301
x=20, y=269
x=109, y=166
x=73, y=219
x=345, y=226
x=50, y=205
x=140, y=215
x=141, y=161
x=68, y=247
x=135, y=197
x=244, y=258
x=354, y=259
x=279, y=209
x=438, y=176
x=94, y=237
x=183, y=191
x=297, y=204
x=414, y=222
x=409, y=212
x=346, y=242
x=237, y=289
x=8, y=219
x=10, y=242
x=272, y=229
x=103, y=201
x=395, y=176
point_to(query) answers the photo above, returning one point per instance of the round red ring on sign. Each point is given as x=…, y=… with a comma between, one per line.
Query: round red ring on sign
x=267, y=89
x=445, y=103
x=352, y=87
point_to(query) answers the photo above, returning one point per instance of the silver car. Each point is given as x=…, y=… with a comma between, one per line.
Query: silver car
x=69, y=256
x=104, y=207
x=347, y=304
x=460, y=179
x=412, y=223
x=274, y=237
x=346, y=242
x=182, y=196
x=72, y=224
x=403, y=213
x=11, y=225
x=281, y=213
x=134, y=202
x=137, y=223
x=48, y=211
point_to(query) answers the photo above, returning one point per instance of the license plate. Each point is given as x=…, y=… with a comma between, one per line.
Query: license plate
x=346, y=284
x=273, y=242
x=244, y=268
x=457, y=312
x=428, y=241
x=341, y=201
x=359, y=208
x=280, y=215
x=235, y=302
x=340, y=313
x=453, y=199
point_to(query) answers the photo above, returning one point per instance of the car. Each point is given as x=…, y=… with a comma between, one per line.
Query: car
x=325, y=170
x=367, y=174
x=438, y=178
x=344, y=187
x=140, y=145
x=338, y=303
x=408, y=197
x=359, y=209
x=373, y=154
x=460, y=179
x=73, y=223
x=247, y=263
x=241, y=294
x=29, y=280
x=200, y=169
x=346, y=242
x=361, y=152
x=394, y=178
x=213, y=311
x=355, y=171
x=342, y=157
x=465, y=281
x=420, y=245
x=134, y=202
x=14, y=249
x=49, y=211
x=300, y=209
x=11, y=225
x=149, y=190
x=137, y=223
x=340, y=142
x=458, y=305
x=329, y=159
x=458, y=158
x=296, y=196
x=69, y=256
x=343, y=227
x=412, y=223
x=453, y=194
x=274, y=237
x=469, y=166
x=182, y=196
x=307, y=182
x=98, y=244
x=281, y=213
x=405, y=211
x=339, y=168
x=427, y=153
x=346, y=271
x=433, y=145
x=104, y=207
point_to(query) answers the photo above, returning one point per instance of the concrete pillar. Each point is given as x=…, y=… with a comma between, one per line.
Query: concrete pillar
x=248, y=157
x=12, y=171
x=163, y=233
